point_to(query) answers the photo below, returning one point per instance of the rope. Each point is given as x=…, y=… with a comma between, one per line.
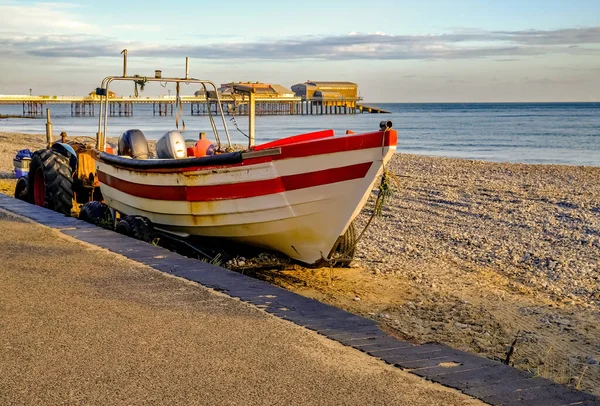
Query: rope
x=232, y=119
x=235, y=124
x=179, y=109
x=385, y=192
x=140, y=82
x=386, y=189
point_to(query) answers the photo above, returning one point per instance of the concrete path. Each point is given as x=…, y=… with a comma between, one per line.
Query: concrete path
x=81, y=325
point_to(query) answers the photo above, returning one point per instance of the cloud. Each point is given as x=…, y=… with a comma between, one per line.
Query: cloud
x=569, y=36
x=42, y=18
x=348, y=47
x=58, y=33
x=398, y=47
x=73, y=46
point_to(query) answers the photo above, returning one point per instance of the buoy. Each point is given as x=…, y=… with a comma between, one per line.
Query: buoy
x=204, y=147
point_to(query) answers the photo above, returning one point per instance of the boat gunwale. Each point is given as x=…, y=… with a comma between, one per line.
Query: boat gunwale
x=241, y=158
x=229, y=158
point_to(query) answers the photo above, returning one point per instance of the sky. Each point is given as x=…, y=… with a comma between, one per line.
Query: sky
x=395, y=50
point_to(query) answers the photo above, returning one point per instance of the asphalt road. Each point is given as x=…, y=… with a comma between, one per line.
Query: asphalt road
x=81, y=325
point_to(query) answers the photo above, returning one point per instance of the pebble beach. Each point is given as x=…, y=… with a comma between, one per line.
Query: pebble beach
x=484, y=254
x=537, y=224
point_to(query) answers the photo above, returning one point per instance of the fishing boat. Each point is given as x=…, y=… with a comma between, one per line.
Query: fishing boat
x=297, y=195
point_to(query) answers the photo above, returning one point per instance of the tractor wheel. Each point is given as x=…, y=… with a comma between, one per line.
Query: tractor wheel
x=345, y=247
x=21, y=189
x=95, y=213
x=123, y=227
x=137, y=227
x=50, y=181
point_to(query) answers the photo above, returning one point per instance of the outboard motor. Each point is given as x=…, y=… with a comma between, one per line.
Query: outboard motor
x=133, y=143
x=171, y=146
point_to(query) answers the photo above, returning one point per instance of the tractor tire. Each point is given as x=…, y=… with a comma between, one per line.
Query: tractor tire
x=95, y=213
x=21, y=189
x=137, y=227
x=345, y=248
x=50, y=181
x=124, y=228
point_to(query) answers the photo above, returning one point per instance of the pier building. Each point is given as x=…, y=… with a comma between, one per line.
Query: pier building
x=320, y=97
x=271, y=99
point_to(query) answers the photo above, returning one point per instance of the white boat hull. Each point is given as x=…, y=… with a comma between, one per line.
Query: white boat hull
x=294, y=204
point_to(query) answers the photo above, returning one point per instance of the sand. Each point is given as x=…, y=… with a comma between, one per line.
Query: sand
x=471, y=254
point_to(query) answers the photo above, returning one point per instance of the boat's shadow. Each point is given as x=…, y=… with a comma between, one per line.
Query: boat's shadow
x=248, y=260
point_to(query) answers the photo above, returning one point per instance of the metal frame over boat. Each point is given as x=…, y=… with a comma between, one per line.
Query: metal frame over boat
x=296, y=195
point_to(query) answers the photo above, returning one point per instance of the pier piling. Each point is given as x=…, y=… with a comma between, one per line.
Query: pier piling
x=33, y=109
x=82, y=109
x=162, y=108
x=121, y=109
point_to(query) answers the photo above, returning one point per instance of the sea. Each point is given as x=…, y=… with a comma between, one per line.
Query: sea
x=537, y=133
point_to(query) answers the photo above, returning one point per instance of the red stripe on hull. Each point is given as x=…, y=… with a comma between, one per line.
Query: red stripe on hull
x=328, y=145
x=240, y=190
x=295, y=139
x=338, y=144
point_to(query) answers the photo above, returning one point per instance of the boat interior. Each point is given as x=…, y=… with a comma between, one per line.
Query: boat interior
x=172, y=152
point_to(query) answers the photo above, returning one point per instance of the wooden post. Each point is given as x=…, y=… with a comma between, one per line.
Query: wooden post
x=48, y=129
x=251, y=117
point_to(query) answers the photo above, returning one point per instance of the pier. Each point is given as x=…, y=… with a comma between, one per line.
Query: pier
x=86, y=107
x=309, y=98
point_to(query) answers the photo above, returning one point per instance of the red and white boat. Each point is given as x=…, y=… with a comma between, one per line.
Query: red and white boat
x=296, y=195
